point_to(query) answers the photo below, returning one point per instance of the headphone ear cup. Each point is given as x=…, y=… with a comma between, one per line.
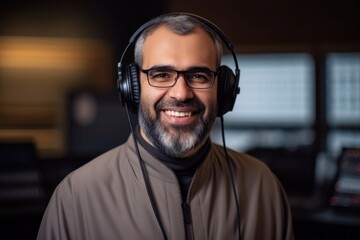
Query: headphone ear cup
x=226, y=90
x=129, y=87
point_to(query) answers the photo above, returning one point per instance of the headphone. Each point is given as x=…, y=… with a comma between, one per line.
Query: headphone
x=128, y=81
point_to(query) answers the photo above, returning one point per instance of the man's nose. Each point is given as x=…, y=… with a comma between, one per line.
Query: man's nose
x=181, y=91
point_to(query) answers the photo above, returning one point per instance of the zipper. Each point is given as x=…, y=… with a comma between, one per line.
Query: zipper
x=187, y=221
x=186, y=213
x=185, y=209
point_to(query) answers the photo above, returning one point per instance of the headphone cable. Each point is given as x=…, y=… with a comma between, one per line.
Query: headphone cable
x=146, y=178
x=230, y=168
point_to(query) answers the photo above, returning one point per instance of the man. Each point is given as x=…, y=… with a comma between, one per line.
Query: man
x=169, y=181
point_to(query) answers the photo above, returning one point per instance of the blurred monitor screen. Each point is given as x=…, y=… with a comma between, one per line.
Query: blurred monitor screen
x=343, y=88
x=276, y=89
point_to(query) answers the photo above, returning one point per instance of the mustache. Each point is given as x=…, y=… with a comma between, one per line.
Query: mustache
x=191, y=103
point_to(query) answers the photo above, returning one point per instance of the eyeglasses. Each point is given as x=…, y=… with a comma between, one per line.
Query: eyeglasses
x=197, y=78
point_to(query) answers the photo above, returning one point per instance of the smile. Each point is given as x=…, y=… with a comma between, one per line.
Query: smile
x=178, y=114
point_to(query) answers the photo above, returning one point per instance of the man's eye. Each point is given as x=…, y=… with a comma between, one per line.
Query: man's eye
x=199, y=76
x=160, y=75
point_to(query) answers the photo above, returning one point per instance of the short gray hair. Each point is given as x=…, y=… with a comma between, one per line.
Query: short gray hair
x=181, y=24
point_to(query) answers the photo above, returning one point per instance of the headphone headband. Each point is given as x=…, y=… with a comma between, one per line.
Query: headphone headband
x=229, y=86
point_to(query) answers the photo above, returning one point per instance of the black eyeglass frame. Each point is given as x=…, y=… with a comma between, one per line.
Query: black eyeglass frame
x=178, y=73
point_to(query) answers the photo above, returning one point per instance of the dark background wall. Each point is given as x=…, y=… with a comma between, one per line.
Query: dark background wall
x=314, y=24
x=311, y=23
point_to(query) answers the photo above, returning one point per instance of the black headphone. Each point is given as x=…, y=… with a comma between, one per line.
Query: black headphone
x=128, y=82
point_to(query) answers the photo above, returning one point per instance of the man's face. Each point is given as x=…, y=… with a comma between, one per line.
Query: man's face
x=178, y=119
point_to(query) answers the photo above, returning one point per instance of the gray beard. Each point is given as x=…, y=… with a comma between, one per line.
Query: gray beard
x=180, y=140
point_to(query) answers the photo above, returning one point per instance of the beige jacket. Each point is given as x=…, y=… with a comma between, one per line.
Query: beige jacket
x=106, y=200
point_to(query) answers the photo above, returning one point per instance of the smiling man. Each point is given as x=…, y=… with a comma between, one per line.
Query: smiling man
x=169, y=181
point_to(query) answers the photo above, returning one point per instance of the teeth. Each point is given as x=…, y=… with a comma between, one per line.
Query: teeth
x=178, y=114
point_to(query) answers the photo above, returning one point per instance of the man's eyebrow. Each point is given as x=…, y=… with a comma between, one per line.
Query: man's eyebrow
x=170, y=67
x=199, y=68
x=162, y=67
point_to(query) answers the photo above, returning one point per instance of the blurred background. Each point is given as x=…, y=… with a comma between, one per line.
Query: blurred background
x=298, y=111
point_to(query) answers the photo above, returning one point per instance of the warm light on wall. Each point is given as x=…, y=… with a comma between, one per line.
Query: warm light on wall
x=47, y=53
x=36, y=73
